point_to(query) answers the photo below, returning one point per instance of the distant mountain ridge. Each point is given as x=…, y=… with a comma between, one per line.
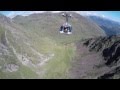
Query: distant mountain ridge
x=80, y=24
x=109, y=26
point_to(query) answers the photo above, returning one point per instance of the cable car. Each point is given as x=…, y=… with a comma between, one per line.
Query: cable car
x=66, y=27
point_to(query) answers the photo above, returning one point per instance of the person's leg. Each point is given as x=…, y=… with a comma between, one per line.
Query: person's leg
x=61, y=29
x=69, y=31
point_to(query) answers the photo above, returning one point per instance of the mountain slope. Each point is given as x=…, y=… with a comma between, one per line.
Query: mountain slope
x=97, y=58
x=48, y=24
x=35, y=47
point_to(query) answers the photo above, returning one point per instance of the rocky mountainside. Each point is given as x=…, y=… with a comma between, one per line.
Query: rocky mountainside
x=98, y=58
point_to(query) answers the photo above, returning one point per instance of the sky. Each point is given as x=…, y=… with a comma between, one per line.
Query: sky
x=113, y=15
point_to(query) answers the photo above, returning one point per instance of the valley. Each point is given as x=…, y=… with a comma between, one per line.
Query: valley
x=31, y=47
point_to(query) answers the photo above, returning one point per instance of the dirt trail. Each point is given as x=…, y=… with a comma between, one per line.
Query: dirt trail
x=42, y=58
x=11, y=67
x=19, y=56
x=25, y=61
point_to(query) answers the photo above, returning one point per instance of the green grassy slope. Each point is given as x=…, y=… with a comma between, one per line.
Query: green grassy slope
x=8, y=57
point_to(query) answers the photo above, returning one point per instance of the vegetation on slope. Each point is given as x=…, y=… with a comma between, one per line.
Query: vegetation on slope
x=36, y=39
